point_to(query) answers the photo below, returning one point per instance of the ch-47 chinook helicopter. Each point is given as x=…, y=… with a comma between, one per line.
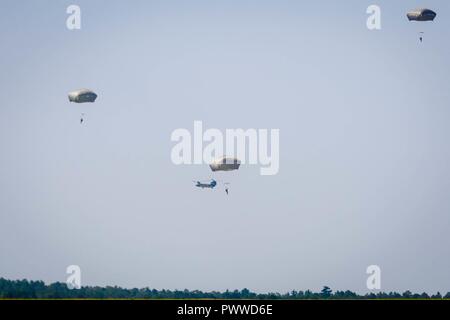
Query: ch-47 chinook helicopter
x=211, y=185
x=203, y=185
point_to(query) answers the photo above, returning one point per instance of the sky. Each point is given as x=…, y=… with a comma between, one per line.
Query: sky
x=364, y=151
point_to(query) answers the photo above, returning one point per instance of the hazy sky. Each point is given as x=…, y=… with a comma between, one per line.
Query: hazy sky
x=364, y=138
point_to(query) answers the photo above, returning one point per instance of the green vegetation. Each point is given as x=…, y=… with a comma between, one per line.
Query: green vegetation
x=24, y=289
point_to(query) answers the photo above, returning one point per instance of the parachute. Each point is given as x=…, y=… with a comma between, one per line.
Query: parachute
x=225, y=164
x=82, y=96
x=421, y=15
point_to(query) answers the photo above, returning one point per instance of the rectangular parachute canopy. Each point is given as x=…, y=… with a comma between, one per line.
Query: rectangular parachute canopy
x=421, y=14
x=82, y=95
x=225, y=164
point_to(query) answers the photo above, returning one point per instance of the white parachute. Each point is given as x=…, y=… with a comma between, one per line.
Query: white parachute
x=225, y=164
x=82, y=96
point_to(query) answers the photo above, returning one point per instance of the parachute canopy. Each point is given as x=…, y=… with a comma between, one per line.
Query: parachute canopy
x=225, y=164
x=82, y=95
x=421, y=15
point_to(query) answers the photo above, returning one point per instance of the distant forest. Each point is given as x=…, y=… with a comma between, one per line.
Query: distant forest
x=39, y=290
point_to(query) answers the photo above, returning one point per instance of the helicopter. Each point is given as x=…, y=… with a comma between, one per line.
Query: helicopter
x=211, y=185
x=204, y=185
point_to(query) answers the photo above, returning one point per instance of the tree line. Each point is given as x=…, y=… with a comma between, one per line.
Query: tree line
x=24, y=289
